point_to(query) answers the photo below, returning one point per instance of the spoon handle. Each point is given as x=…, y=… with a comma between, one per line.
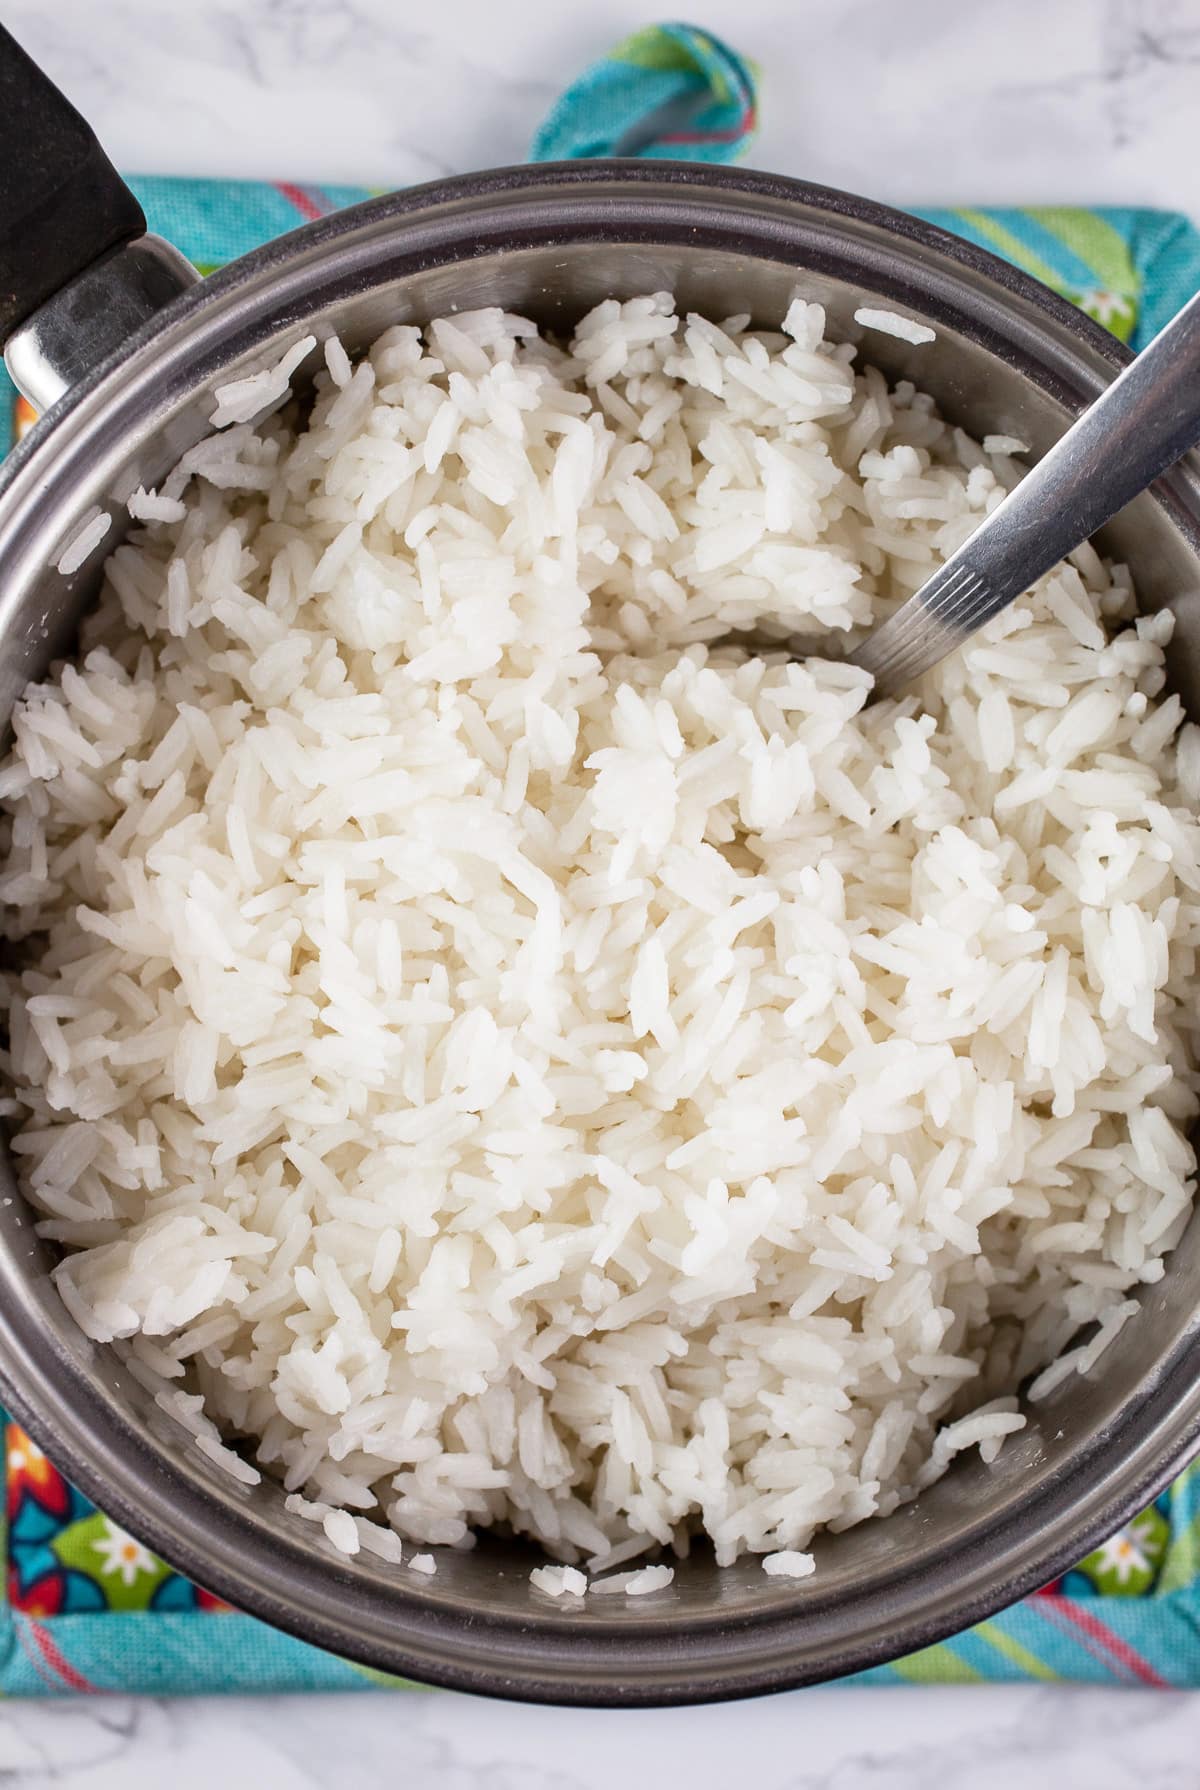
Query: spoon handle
x=1134, y=431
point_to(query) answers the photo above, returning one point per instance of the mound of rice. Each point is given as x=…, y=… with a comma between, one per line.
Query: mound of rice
x=496, y=1053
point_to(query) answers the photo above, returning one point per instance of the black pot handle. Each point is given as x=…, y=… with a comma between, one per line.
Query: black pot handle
x=62, y=203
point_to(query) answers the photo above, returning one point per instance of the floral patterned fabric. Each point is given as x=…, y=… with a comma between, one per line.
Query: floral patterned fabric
x=66, y=1558
x=90, y=1608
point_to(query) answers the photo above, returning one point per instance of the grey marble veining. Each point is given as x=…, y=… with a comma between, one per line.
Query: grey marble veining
x=1031, y=101
x=913, y=100
x=1043, y=1738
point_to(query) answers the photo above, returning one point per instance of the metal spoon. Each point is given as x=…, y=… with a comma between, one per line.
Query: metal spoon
x=1140, y=426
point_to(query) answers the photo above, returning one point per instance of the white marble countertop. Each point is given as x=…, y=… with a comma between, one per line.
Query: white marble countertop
x=1032, y=101
x=1041, y=1738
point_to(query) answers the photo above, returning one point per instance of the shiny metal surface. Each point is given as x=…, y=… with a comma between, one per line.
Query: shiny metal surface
x=85, y=322
x=1138, y=428
x=1009, y=358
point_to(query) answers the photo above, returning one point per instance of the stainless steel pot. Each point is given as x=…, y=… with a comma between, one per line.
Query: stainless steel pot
x=550, y=241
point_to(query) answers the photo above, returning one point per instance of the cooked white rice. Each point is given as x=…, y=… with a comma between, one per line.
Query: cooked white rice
x=1004, y=444
x=649, y=1578
x=502, y=1057
x=559, y=1581
x=633, y=1584
x=149, y=506
x=788, y=1564
x=894, y=323
x=340, y=1528
x=83, y=542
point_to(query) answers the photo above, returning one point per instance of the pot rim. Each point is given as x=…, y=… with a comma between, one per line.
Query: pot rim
x=223, y=1543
